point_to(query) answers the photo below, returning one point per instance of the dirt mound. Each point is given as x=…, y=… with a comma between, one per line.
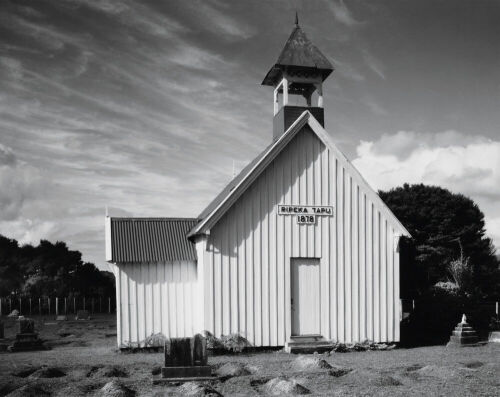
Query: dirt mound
x=197, y=389
x=107, y=372
x=29, y=391
x=230, y=370
x=282, y=386
x=115, y=389
x=25, y=372
x=337, y=371
x=413, y=368
x=435, y=371
x=385, y=380
x=48, y=372
x=473, y=364
x=310, y=362
x=8, y=385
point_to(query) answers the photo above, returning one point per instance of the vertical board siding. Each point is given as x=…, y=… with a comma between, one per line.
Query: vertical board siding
x=156, y=298
x=250, y=249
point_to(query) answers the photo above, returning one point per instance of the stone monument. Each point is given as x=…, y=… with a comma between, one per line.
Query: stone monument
x=463, y=334
x=3, y=346
x=186, y=359
x=26, y=338
x=82, y=315
x=494, y=335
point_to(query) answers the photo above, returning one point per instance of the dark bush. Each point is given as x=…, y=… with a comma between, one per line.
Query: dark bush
x=438, y=312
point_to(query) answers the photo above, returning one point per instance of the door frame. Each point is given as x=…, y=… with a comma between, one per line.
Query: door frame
x=289, y=325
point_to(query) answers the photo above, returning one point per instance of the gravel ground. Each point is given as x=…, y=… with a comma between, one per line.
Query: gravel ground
x=83, y=360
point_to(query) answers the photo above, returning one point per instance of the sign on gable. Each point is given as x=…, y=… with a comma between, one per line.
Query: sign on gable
x=306, y=214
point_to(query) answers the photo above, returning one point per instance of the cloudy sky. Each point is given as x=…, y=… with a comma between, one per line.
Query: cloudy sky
x=144, y=106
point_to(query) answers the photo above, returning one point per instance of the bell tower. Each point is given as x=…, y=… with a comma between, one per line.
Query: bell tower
x=300, y=71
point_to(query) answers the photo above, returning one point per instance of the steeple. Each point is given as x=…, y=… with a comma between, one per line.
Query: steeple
x=300, y=69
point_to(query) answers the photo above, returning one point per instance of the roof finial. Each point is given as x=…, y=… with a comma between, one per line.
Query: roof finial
x=296, y=19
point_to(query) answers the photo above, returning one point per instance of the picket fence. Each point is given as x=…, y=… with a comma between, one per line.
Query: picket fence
x=56, y=305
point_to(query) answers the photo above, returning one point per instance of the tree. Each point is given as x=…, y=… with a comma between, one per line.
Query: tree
x=49, y=270
x=11, y=269
x=440, y=223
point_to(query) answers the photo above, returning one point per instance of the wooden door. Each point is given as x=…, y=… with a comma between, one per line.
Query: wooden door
x=305, y=295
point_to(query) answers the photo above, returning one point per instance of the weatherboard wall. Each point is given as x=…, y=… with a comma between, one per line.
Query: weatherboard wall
x=245, y=259
x=155, y=298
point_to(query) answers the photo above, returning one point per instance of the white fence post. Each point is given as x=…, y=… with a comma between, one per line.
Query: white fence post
x=57, y=306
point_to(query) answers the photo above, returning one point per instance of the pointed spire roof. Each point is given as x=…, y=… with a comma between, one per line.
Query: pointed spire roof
x=299, y=53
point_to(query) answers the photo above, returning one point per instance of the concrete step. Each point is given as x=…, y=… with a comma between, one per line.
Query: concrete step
x=309, y=348
x=465, y=333
x=307, y=338
x=308, y=344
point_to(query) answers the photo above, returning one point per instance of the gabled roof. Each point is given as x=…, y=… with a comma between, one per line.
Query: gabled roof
x=223, y=202
x=299, y=52
x=230, y=186
x=150, y=240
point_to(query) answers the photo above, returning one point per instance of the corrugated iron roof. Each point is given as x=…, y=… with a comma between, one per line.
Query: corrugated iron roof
x=135, y=240
x=298, y=52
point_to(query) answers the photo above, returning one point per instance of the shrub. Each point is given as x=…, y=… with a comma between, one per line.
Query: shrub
x=232, y=343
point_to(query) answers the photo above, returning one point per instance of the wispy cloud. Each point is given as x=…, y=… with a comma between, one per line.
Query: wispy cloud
x=341, y=13
x=374, y=105
x=374, y=64
x=212, y=18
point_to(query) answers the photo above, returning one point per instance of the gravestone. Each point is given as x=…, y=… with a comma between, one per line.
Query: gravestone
x=26, y=337
x=494, y=337
x=3, y=346
x=82, y=315
x=463, y=335
x=26, y=325
x=186, y=359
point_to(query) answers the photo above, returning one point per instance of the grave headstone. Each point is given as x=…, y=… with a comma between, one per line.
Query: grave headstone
x=494, y=337
x=463, y=335
x=26, y=325
x=3, y=344
x=186, y=358
x=82, y=315
x=26, y=338
x=199, y=350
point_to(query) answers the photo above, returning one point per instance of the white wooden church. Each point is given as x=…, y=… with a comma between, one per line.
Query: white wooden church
x=297, y=246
